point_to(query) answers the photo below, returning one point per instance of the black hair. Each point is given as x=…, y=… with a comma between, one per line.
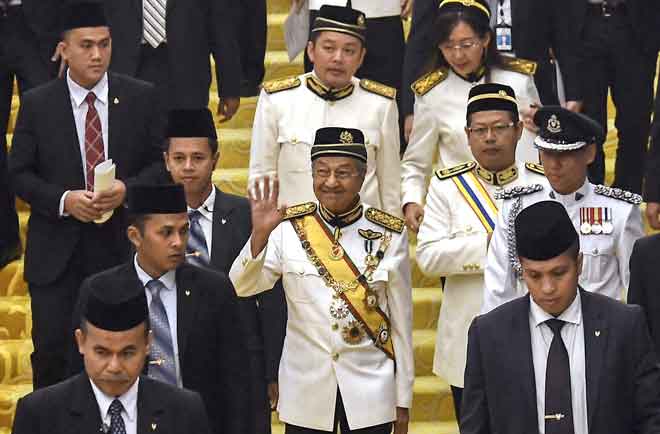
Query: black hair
x=84, y=321
x=315, y=36
x=138, y=220
x=213, y=144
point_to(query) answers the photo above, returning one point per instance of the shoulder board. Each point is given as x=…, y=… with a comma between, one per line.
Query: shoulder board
x=378, y=88
x=280, y=84
x=456, y=170
x=536, y=168
x=388, y=221
x=300, y=210
x=522, y=66
x=426, y=82
x=617, y=193
x=517, y=191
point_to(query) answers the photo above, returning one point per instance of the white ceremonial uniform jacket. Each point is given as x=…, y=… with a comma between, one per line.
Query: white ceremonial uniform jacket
x=371, y=8
x=283, y=133
x=316, y=360
x=439, y=128
x=452, y=243
x=605, y=262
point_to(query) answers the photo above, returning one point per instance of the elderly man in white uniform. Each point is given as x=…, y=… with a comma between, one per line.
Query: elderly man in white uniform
x=460, y=215
x=290, y=110
x=608, y=220
x=346, y=275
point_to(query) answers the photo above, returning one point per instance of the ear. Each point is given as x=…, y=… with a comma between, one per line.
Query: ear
x=486, y=41
x=216, y=157
x=519, y=130
x=579, y=263
x=310, y=51
x=134, y=236
x=61, y=48
x=80, y=340
x=590, y=153
x=165, y=158
x=364, y=53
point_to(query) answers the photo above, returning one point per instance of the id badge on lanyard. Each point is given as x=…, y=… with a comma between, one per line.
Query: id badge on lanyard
x=503, y=37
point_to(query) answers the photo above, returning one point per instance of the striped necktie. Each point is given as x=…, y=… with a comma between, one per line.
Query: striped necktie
x=198, y=252
x=161, y=357
x=153, y=21
x=94, y=149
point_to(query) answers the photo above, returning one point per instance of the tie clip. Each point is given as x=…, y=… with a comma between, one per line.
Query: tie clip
x=161, y=361
x=556, y=416
x=195, y=254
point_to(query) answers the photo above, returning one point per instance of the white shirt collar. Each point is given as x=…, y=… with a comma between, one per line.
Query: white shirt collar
x=572, y=314
x=206, y=209
x=571, y=197
x=128, y=400
x=79, y=93
x=168, y=279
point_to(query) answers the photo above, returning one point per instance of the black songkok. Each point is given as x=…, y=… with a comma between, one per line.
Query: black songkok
x=492, y=96
x=156, y=199
x=339, y=142
x=82, y=14
x=191, y=123
x=343, y=19
x=544, y=231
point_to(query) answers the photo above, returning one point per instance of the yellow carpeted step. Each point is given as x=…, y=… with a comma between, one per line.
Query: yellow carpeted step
x=244, y=118
x=279, y=6
x=426, y=304
x=9, y=395
x=11, y=280
x=432, y=400
x=15, y=318
x=15, y=365
x=423, y=347
x=276, y=40
x=234, y=148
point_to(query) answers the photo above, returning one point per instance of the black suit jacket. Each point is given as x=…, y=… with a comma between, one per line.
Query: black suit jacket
x=41, y=17
x=195, y=29
x=264, y=315
x=644, y=288
x=652, y=169
x=70, y=407
x=45, y=162
x=212, y=354
x=622, y=372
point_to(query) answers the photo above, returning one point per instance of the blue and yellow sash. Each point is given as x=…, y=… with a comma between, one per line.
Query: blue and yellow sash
x=478, y=198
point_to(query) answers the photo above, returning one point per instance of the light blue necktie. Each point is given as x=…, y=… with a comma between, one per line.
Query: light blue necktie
x=116, y=421
x=198, y=252
x=162, y=365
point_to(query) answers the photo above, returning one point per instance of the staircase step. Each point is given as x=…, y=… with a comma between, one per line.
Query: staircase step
x=15, y=318
x=15, y=365
x=423, y=348
x=278, y=6
x=276, y=40
x=9, y=395
x=234, y=148
x=244, y=117
x=11, y=280
x=432, y=400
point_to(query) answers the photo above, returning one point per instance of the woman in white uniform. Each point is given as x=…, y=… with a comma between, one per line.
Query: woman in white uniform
x=466, y=55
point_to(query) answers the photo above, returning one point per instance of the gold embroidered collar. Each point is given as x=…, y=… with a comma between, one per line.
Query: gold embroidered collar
x=328, y=94
x=344, y=219
x=502, y=177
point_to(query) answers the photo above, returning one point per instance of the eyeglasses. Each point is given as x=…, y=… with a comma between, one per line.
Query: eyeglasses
x=340, y=174
x=465, y=45
x=495, y=130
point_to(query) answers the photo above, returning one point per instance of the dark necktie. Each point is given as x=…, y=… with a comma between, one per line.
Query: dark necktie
x=116, y=422
x=94, y=150
x=161, y=357
x=558, y=406
x=198, y=253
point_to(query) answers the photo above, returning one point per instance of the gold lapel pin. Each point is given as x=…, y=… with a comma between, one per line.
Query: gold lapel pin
x=597, y=333
x=116, y=100
x=187, y=293
x=153, y=427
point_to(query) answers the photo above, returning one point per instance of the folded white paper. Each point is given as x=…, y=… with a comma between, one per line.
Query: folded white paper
x=104, y=175
x=296, y=30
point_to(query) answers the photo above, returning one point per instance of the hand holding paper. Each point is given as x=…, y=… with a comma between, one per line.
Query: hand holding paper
x=104, y=182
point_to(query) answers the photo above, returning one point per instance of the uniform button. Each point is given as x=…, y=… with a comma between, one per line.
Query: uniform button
x=465, y=267
x=331, y=103
x=468, y=228
x=335, y=326
x=294, y=140
x=595, y=251
x=335, y=356
x=477, y=266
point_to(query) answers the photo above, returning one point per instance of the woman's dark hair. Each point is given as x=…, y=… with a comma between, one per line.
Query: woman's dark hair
x=447, y=21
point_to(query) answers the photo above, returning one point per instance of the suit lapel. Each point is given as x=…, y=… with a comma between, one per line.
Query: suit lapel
x=186, y=299
x=150, y=408
x=523, y=363
x=69, y=132
x=221, y=211
x=84, y=410
x=115, y=120
x=595, y=342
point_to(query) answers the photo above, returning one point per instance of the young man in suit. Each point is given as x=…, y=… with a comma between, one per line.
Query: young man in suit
x=220, y=226
x=169, y=43
x=643, y=288
x=111, y=396
x=65, y=129
x=561, y=359
x=198, y=342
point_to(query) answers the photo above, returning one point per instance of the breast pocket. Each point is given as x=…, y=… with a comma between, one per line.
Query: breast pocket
x=295, y=149
x=598, y=252
x=300, y=279
x=372, y=143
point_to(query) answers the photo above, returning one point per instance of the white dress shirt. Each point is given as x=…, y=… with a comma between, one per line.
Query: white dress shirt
x=128, y=401
x=206, y=222
x=168, y=297
x=573, y=336
x=80, y=107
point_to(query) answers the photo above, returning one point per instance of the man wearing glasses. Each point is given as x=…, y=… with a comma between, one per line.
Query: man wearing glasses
x=460, y=215
x=607, y=219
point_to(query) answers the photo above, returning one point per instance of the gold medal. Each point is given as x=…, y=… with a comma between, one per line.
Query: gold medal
x=336, y=252
x=353, y=333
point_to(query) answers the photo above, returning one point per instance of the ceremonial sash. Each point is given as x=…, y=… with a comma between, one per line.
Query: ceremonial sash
x=343, y=276
x=478, y=198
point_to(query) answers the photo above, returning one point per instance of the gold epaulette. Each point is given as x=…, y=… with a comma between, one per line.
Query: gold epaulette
x=455, y=170
x=426, y=82
x=522, y=66
x=388, y=221
x=299, y=210
x=378, y=88
x=280, y=84
x=535, y=167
